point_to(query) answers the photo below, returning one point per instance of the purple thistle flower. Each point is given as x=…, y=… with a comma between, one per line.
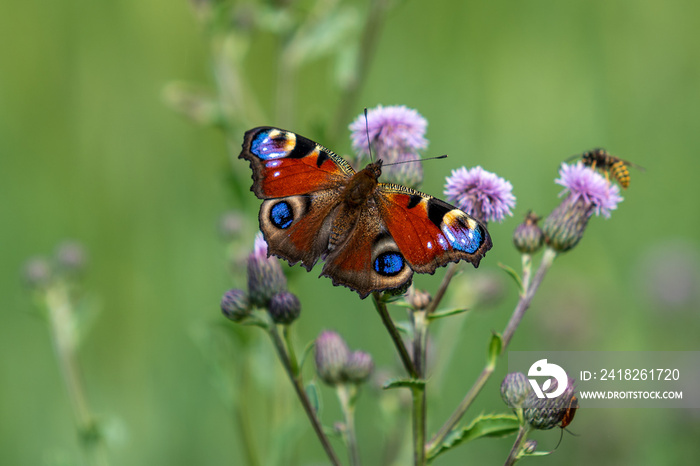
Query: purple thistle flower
x=393, y=127
x=396, y=134
x=358, y=367
x=331, y=353
x=585, y=183
x=265, y=276
x=480, y=193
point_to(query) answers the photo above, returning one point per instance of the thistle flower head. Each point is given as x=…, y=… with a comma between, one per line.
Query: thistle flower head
x=530, y=446
x=234, y=305
x=393, y=127
x=589, y=193
x=418, y=299
x=71, y=256
x=37, y=272
x=265, y=276
x=396, y=133
x=480, y=193
x=528, y=235
x=515, y=388
x=546, y=413
x=331, y=354
x=284, y=308
x=358, y=367
x=585, y=183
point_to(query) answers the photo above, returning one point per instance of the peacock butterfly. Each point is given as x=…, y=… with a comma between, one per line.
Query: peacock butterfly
x=372, y=235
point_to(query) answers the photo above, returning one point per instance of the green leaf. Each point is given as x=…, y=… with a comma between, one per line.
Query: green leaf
x=311, y=390
x=538, y=453
x=491, y=426
x=441, y=314
x=305, y=354
x=405, y=327
x=403, y=383
x=495, y=348
x=514, y=275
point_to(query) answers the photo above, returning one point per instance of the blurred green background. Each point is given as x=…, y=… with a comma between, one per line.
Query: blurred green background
x=91, y=152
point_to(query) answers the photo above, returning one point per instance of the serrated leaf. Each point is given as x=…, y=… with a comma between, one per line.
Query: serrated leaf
x=403, y=383
x=441, y=314
x=484, y=426
x=514, y=275
x=495, y=348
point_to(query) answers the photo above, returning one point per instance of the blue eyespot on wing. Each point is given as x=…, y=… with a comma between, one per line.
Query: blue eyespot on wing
x=460, y=235
x=388, y=263
x=281, y=215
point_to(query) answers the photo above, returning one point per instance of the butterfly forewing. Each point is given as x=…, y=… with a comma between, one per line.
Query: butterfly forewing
x=286, y=164
x=429, y=232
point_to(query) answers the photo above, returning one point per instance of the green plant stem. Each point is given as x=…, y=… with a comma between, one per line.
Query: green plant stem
x=517, y=446
x=517, y=316
x=64, y=339
x=449, y=275
x=394, y=333
x=527, y=271
x=346, y=395
x=524, y=302
x=420, y=335
x=295, y=378
x=419, y=415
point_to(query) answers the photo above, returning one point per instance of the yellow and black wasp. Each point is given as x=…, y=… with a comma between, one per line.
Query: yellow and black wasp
x=612, y=166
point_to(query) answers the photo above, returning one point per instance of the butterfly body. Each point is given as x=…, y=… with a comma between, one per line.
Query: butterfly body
x=372, y=235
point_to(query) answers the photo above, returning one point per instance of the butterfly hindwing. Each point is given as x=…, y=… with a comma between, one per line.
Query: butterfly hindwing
x=430, y=232
x=368, y=259
x=286, y=164
x=297, y=228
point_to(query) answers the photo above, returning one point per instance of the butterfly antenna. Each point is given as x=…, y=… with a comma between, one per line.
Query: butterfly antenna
x=369, y=142
x=417, y=160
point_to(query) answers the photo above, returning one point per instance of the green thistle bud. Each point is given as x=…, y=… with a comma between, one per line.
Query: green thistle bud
x=564, y=227
x=234, y=305
x=530, y=446
x=71, y=257
x=284, y=308
x=37, y=272
x=418, y=299
x=332, y=355
x=546, y=413
x=265, y=276
x=359, y=367
x=515, y=388
x=528, y=236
